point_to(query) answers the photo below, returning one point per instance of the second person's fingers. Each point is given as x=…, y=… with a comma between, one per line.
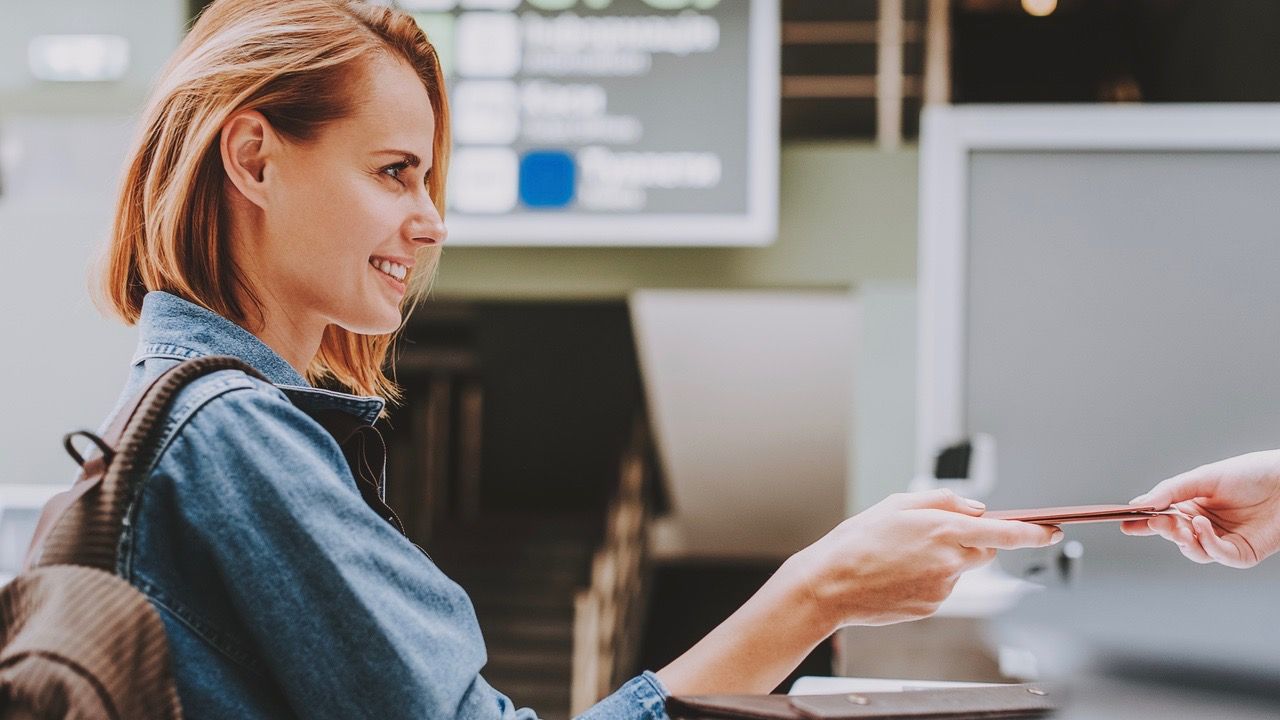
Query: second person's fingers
x=1171, y=527
x=1192, y=551
x=1202, y=481
x=1230, y=551
x=1138, y=528
x=1179, y=532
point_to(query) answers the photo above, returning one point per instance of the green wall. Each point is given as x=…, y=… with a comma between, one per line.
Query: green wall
x=847, y=216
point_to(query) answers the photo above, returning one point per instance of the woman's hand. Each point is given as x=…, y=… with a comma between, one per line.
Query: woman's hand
x=895, y=561
x=899, y=559
x=1232, y=508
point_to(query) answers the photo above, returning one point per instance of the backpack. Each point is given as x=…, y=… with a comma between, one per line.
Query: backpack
x=76, y=639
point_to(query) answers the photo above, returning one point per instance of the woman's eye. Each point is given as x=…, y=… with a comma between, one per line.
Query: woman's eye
x=394, y=171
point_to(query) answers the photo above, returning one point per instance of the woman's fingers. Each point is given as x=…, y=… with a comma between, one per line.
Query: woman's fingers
x=977, y=557
x=978, y=532
x=939, y=499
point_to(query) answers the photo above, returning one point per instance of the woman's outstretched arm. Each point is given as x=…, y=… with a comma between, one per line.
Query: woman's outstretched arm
x=896, y=561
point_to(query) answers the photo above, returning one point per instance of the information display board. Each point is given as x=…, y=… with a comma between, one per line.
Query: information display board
x=610, y=122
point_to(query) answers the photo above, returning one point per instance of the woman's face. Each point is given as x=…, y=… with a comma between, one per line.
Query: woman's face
x=345, y=214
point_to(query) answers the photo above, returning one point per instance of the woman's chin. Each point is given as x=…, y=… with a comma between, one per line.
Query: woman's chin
x=380, y=322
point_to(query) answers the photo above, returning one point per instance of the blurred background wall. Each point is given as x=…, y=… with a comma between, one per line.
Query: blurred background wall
x=61, y=147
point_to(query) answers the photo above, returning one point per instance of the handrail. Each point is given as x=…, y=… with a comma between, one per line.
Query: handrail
x=608, y=614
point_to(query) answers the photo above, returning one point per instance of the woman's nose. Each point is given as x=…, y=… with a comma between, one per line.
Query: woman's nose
x=429, y=227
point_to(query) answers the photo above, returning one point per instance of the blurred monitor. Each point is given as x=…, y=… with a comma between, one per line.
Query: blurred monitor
x=1099, y=297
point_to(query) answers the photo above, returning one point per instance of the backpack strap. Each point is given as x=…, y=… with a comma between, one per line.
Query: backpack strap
x=82, y=526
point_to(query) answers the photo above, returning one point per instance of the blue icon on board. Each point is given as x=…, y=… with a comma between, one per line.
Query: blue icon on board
x=547, y=179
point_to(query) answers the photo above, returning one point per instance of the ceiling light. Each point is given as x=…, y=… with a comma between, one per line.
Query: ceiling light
x=78, y=58
x=1039, y=8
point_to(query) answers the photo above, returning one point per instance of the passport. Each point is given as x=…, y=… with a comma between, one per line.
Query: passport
x=1079, y=514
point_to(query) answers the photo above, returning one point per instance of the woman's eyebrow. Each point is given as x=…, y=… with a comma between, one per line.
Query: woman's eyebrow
x=409, y=158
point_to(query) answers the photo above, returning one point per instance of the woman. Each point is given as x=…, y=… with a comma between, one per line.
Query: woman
x=282, y=205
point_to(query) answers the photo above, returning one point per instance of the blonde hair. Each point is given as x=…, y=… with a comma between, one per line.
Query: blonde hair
x=294, y=61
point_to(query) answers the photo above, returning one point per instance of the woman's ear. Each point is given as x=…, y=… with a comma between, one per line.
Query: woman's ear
x=247, y=144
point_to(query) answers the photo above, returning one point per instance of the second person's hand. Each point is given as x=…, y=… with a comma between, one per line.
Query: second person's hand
x=1231, y=509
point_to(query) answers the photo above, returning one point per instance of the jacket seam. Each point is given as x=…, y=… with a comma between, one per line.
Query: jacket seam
x=202, y=627
x=177, y=420
x=198, y=395
x=181, y=416
x=166, y=350
x=198, y=625
x=125, y=551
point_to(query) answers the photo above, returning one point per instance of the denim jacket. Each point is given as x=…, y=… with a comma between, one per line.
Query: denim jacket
x=283, y=594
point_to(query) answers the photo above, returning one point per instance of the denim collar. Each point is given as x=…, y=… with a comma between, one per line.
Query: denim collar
x=171, y=327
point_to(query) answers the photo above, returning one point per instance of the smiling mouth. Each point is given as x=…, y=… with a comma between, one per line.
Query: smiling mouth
x=392, y=269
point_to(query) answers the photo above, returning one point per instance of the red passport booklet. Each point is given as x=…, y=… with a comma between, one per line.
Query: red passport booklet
x=1079, y=514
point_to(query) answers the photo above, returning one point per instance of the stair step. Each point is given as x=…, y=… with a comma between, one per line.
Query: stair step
x=490, y=615
x=484, y=589
x=486, y=540
x=497, y=597
x=520, y=631
x=514, y=558
x=528, y=662
x=550, y=702
x=507, y=644
x=531, y=642
x=522, y=576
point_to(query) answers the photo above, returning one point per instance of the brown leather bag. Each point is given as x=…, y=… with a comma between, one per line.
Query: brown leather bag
x=77, y=640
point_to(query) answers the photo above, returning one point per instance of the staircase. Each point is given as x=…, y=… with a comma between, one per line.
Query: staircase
x=522, y=461
x=522, y=574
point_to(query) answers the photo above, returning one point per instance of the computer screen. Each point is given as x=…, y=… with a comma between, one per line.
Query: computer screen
x=1107, y=277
